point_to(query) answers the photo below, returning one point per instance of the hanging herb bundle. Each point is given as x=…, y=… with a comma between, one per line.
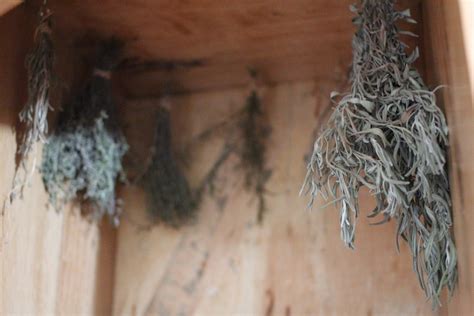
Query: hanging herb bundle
x=34, y=116
x=82, y=159
x=247, y=132
x=170, y=198
x=389, y=135
x=252, y=152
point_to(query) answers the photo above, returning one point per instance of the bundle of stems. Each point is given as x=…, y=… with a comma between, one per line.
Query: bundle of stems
x=170, y=197
x=82, y=159
x=34, y=116
x=252, y=150
x=171, y=200
x=389, y=135
x=246, y=132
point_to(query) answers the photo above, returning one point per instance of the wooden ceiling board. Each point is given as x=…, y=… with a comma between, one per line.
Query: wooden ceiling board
x=190, y=45
x=7, y=5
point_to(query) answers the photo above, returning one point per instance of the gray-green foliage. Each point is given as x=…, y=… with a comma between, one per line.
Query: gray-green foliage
x=34, y=116
x=389, y=135
x=85, y=161
x=82, y=159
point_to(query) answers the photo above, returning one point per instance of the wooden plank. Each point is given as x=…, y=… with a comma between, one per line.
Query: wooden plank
x=447, y=63
x=105, y=270
x=49, y=261
x=83, y=285
x=31, y=234
x=226, y=264
x=181, y=46
x=466, y=10
x=7, y=5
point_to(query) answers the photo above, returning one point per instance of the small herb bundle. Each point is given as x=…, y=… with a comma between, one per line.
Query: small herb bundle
x=82, y=159
x=34, y=116
x=247, y=133
x=389, y=135
x=252, y=151
x=170, y=198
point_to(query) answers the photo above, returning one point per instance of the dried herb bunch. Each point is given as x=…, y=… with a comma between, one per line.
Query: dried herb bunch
x=389, y=135
x=252, y=151
x=170, y=198
x=34, y=116
x=82, y=159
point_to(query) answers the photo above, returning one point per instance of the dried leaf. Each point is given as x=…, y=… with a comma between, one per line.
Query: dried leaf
x=389, y=135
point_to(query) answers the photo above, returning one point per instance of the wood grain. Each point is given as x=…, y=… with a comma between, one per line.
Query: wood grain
x=196, y=45
x=226, y=264
x=448, y=64
x=49, y=260
x=466, y=11
x=7, y=5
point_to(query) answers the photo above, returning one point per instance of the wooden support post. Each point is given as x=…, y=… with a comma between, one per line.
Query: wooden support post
x=449, y=61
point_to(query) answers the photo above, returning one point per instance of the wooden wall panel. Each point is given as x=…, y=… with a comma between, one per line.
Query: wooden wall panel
x=177, y=46
x=7, y=5
x=448, y=63
x=49, y=261
x=226, y=264
x=466, y=10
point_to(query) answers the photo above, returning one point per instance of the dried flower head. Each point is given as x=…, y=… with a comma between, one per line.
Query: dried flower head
x=389, y=135
x=82, y=159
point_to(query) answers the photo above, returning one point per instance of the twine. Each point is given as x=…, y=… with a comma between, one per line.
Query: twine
x=106, y=74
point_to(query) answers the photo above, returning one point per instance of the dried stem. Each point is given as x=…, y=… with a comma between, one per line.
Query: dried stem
x=252, y=151
x=34, y=116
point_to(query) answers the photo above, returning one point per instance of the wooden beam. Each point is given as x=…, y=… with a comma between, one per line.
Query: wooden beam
x=466, y=9
x=51, y=263
x=175, y=46
x=448, y=63
x=7, y=5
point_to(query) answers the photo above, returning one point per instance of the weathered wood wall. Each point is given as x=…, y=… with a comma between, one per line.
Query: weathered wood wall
x=295, y=264
x=226, y=264
x=449, y=61
x=207, y=45
x=7, y=5
x=50, y=262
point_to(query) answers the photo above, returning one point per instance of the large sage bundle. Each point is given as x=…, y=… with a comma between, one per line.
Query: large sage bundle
x=82, y=159
x=34, y=116
x=389, y=135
